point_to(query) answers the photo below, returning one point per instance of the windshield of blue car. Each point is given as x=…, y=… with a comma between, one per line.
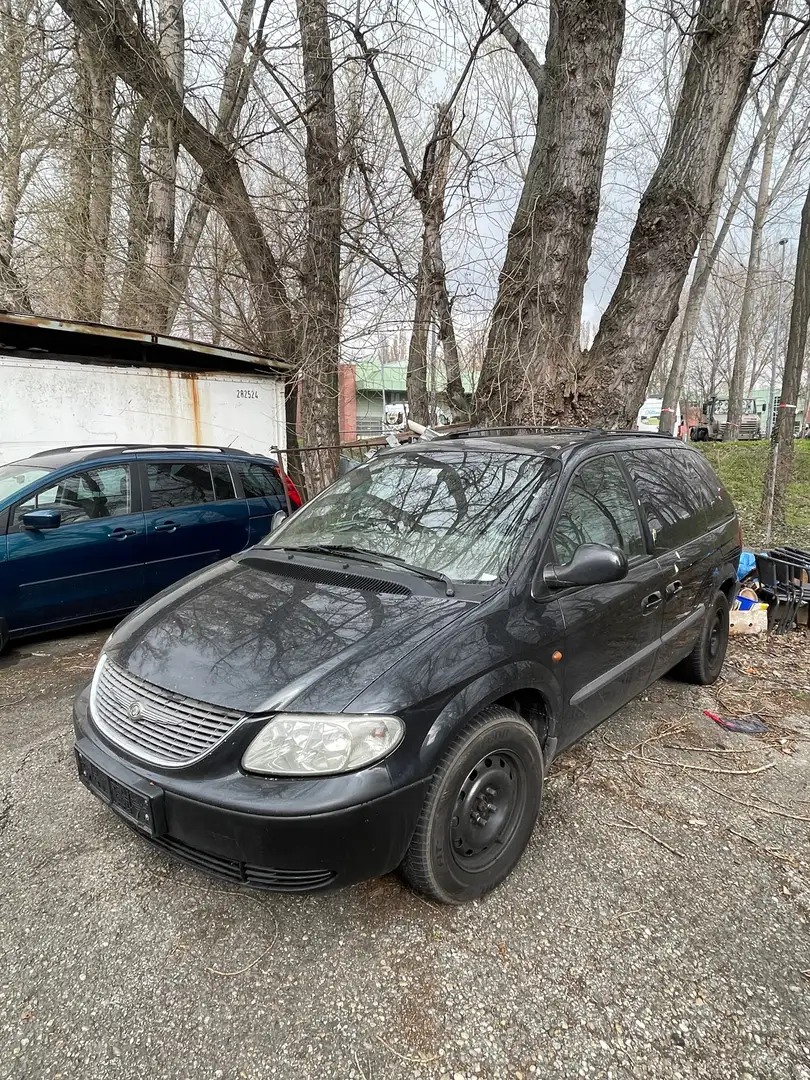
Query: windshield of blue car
x=457, y=512
x=14, y=478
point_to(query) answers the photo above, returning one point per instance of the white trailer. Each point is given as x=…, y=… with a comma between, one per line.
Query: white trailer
x=65, y=384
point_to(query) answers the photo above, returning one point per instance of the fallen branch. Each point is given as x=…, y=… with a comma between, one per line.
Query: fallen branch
x=754, y=806
x=711, y=750
x=8, y=704
x=638, y=828
x=783, y=856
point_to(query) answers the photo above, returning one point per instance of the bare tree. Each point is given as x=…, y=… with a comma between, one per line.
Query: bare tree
x=780, y=466
x=530, y=361
x=320, y=271
x=762, y=205
x=726, y=37
x=91, y=180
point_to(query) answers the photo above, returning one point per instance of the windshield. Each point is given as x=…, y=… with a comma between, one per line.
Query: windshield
x=461, y=513
x=14, y=478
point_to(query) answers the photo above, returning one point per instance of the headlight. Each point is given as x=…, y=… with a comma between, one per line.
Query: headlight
x=312, y=745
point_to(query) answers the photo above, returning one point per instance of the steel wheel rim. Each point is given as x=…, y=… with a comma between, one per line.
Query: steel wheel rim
x=489, y=807
x=715, y=636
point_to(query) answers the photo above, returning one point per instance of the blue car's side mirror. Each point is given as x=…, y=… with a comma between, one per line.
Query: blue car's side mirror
x=42, y=519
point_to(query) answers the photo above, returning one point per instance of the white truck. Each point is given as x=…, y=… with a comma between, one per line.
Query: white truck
x=51, y=398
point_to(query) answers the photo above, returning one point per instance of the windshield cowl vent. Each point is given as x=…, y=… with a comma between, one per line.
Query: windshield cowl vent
x=319, y=575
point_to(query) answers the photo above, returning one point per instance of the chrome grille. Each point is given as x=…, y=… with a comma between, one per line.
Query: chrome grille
x=153, y=723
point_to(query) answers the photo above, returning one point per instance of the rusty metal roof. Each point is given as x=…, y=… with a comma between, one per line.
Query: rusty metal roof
x=63, y=339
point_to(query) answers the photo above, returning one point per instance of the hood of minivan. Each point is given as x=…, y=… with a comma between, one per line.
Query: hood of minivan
x=244, y=636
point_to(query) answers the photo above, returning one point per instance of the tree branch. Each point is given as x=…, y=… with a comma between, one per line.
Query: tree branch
x=522, y=49
x=135, y=59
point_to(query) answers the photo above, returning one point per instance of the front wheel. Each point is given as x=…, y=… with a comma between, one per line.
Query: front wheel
x=705, y=661
x=480, y=809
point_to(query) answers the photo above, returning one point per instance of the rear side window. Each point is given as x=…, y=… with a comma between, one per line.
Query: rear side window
x=260, y=481
x=179, y=483
x=668, y=497
x=598, y=508
x=223, y=481
x=714, y=498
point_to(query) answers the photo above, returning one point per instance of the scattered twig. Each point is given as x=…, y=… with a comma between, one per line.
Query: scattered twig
x=783, y=856
x=247, y=967
x=404, y=1057
x=711, y=750
x=754, y=806
x=8, y=704
x=646, y=832
x=359, y=1066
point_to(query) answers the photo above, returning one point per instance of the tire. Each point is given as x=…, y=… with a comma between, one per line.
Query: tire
x=3, y=634
x=496, y=765
x=705, y=661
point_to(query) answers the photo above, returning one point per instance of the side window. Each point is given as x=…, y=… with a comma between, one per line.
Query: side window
x=260, y=481
x=714, y=497
x=598, y=509
x=668, y=497
x=176, y=484
x=85, y=496
x=223, y=481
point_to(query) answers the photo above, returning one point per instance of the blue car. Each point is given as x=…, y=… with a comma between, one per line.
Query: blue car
x=87, y=533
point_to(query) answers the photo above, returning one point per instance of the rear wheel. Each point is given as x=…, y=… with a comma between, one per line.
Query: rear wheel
x=705, y=661
x=479, y=811
x=3, y=634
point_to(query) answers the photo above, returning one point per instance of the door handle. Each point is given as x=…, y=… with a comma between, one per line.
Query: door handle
x=649, y=603
x=165, y=526
x=121, y=533
x=673, y=588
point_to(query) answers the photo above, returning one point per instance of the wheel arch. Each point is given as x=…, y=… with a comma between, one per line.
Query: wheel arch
x=527, y=689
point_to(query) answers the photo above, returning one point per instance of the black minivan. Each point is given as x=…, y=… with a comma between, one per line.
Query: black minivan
x=384, y=681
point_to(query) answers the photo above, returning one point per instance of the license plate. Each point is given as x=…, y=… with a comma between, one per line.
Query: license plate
x=133, y=806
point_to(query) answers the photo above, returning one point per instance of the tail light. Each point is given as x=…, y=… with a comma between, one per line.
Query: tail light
x=292, y=491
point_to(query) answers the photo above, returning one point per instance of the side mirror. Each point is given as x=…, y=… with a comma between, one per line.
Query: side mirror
x=42, y=519
x=277, y=519
x=592, y=564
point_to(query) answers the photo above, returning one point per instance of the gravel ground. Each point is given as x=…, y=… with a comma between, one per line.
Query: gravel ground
x=655, y=928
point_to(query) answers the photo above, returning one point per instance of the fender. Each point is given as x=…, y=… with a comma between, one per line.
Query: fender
x=488, y=688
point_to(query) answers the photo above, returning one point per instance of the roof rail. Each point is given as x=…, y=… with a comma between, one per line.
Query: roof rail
x=497, y=430
x=131, y=448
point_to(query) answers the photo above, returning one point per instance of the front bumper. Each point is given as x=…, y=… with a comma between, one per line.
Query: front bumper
x=280, y=852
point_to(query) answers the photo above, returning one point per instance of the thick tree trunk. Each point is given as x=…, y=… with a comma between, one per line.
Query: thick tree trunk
x=737, y=386
x=162, y=174
x=727, y=36
x=532, y=351
x=707, y=254
x=320, y=270
x=135, y=59
x=416, y=379
x=782, y=446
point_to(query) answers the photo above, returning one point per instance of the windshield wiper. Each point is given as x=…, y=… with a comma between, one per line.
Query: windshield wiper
x=376, y=557
x=432, y=575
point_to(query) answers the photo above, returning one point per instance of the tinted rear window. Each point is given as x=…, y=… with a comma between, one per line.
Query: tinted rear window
x=714, y=498
x=176, y=483
x=260, y=481
x=673, y=508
